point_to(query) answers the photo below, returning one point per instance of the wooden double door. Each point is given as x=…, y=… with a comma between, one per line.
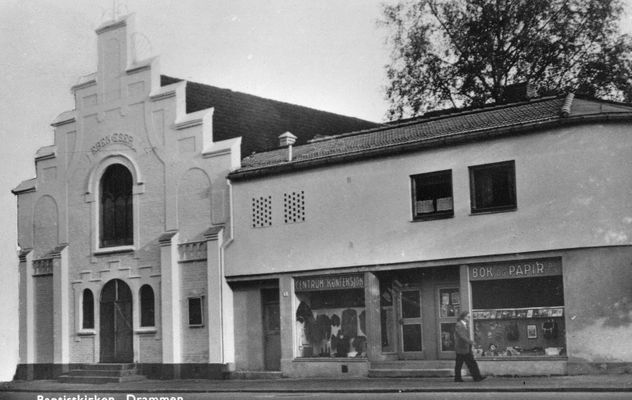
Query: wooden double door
x=426, y=315
x=116, y=323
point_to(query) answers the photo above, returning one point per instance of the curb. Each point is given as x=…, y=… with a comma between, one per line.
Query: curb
x=376, y=390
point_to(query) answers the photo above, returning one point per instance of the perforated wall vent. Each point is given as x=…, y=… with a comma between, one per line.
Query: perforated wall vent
x=294, y=207
x=261, y=212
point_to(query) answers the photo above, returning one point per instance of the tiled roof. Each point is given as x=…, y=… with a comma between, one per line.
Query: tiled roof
x=260, y=121
x=431, y=131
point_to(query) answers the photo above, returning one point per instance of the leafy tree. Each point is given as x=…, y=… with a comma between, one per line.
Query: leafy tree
x=453, y=53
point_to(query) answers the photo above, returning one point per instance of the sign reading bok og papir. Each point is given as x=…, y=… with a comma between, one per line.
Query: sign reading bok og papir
x=516, y=269
x=335, y=282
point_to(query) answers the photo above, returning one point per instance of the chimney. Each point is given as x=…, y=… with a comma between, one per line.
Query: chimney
x=522, y=91
x=287, y=140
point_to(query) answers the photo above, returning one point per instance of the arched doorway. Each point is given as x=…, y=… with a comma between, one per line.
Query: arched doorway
x=117, y=333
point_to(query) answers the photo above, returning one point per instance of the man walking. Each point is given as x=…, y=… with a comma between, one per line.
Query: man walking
x=463, y=348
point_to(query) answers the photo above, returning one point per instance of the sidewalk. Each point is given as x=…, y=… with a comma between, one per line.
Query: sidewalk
x=581, y=383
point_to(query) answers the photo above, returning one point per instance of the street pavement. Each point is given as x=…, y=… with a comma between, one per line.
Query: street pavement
x=577, y=383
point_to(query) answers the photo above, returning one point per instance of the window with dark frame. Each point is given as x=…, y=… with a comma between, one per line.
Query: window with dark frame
x=88, y=310
x=432, y=195
x=116, y=207
x=493, y=187
x=147, y=307
x=196, y=311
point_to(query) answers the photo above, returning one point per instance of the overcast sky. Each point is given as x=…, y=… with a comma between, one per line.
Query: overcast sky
x=326, y=54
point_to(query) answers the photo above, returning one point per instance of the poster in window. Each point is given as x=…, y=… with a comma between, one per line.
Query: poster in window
x=425, y=206
x=444, y=204
x=456, y=299
x=532, y=332
x=445, y=298
x=529, y=313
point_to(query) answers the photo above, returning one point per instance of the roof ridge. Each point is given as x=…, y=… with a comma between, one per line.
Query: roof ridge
x=270, y=100
x=593, y=98
x=420, y=119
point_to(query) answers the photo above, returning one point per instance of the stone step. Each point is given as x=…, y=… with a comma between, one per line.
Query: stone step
x=413, y=364
x=99, y=379
x=108, y=366
x=410, y=373
x=101, y=372
x=255, y=375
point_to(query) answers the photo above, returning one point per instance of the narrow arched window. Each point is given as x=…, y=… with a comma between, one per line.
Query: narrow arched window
x=88, y=309
x=146, y=306
x=116, y=207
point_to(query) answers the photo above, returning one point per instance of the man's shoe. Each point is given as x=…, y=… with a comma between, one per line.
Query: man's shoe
x=458, y=380
x=480, y=378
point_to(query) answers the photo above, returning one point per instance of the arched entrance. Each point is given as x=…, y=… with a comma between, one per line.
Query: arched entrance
x=117, y=333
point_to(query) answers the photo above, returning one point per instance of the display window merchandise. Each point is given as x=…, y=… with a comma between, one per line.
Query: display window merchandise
x=518, y=309
x=331, y=316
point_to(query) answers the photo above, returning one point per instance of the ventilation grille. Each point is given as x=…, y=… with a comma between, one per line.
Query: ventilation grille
x=261, y=212
x=294, y=207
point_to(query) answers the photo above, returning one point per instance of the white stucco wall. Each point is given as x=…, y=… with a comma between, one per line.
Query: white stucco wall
x=573, y=190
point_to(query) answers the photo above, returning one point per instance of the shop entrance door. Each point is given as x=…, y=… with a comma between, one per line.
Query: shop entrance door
x=410, y=323
x=271, y=329
x=449, y=307
x=116, y=323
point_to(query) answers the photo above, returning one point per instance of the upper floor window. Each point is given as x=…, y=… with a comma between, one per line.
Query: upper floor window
x=432, y=195
x=147, y=306
x=116, y=207
x=88, y=310
x=493, y=187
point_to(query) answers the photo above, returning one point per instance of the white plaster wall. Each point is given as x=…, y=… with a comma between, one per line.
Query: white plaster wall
x=126, y=99
x=574, y=189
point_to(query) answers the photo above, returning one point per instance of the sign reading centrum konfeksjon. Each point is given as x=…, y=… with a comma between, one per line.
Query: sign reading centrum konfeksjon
x=336, y=282
x=516, y=269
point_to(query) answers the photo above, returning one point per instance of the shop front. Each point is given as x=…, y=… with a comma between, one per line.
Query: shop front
x=406, y=317
x=414, y=313
x=518, y=311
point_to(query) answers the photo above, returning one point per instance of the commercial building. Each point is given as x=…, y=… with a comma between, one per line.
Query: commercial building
x=376, y=240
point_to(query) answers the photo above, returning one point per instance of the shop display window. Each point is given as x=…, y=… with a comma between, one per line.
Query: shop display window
x=331, y=323
x=519, y=317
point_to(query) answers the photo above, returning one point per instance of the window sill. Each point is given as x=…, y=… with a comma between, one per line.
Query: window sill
x=146, y=330
x=111, y=250
x=196, y=326
x=432, y=217
x=493, y=210
x=86, y=332
x=541, y=357
x=331, y=359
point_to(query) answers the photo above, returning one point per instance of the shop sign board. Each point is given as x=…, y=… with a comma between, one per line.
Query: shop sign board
x=323, y=282
x=516, y=269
